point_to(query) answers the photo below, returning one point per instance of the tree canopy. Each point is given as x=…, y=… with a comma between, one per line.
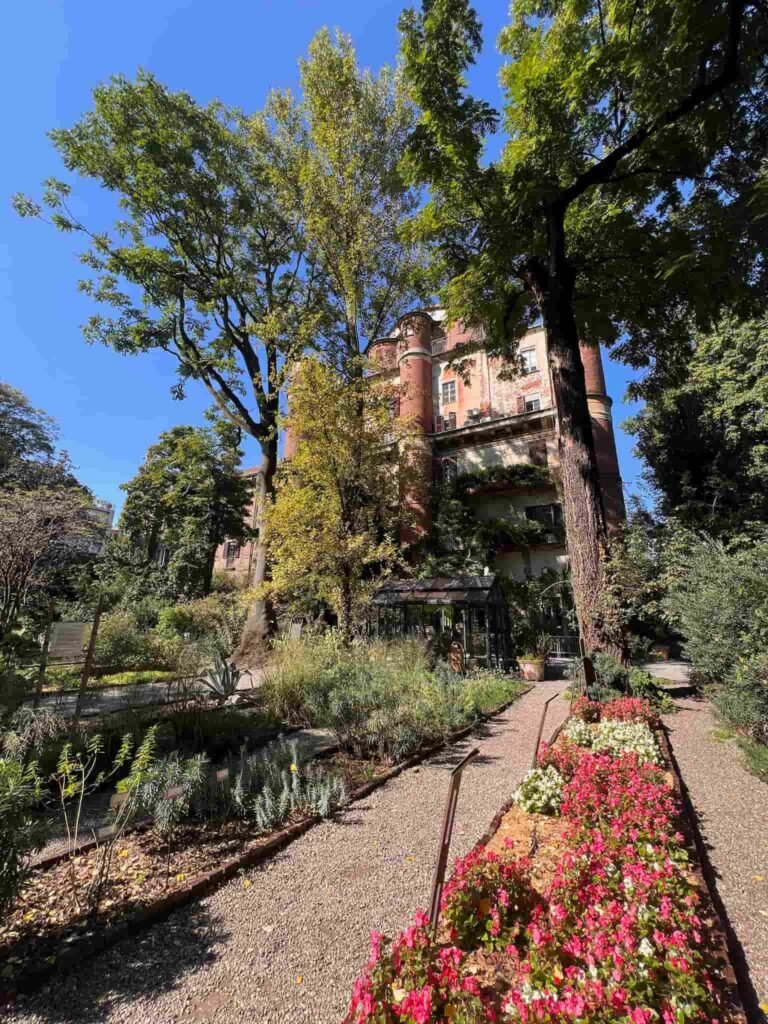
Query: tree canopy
x=336, y=163
x=704, y=436
x=188, y=496
x=621, y=209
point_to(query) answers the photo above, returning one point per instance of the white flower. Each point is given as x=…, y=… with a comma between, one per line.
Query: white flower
x=645, y=949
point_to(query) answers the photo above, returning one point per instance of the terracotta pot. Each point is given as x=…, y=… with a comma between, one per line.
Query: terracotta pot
x=660, y=651
x=532, y=669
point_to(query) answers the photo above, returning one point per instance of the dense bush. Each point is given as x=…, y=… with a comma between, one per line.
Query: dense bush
x=122, y=644
x=380, y=700
x=215, y=621
x=719, y=602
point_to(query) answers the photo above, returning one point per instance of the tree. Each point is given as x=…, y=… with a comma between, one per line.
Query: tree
x=704, y=436
x=40, y=530
x=188, y=496
x=332, y=530
x=336, y=155
x=203, y=264
x=621, y=208
x=25, y=432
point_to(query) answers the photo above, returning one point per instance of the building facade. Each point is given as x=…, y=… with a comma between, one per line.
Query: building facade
x=233, y=557
x=469, y=415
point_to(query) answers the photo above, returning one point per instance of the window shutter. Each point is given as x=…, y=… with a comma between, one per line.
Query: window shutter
x=520, y=403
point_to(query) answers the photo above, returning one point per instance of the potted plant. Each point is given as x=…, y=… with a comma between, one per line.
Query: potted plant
x=533, y=660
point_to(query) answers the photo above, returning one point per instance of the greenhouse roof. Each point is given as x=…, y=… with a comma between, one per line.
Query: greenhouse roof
x=457, y=590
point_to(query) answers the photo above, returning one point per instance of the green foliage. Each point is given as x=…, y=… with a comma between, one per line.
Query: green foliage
x=25, y=432
x=222, y=679
x=332, y=530
x=21, y=832
x=335, y=152
x=718, y=599
x=215, y=622
x=465, y=542
x=188, y=496
x=703, y=433
x=743, y=700
x=121, y=644
x=381, y=701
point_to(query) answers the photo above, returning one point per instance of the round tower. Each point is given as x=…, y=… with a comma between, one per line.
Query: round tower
x=414, y=360
x=605, y=443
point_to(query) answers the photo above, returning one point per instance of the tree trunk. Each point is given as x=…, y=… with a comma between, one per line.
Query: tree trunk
x=260, y=624
x=580, y=489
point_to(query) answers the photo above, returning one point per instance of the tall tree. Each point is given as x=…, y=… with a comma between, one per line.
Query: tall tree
x=336, y=163
x=188, y=496
x=203, y=264
x=704, y=436
x=619, y=209
x=25, y=432
x=333, y=528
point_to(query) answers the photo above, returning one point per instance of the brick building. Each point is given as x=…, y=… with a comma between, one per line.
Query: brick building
x=475, y=417
x=233, y=557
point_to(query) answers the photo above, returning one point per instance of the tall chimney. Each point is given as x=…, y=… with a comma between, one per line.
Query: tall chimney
x=415, y=366
x=605, y=443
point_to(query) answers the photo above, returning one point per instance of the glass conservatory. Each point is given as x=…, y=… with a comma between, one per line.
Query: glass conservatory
x=465, y=614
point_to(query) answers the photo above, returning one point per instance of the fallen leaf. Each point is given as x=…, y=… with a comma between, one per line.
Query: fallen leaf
x=246, y=882
x=299, y=979
x=123, y=853
x=758, y=878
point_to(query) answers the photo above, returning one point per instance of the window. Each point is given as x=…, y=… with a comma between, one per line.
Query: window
x=550, y=520
x=533, y=402
x=449, y=421
x=537, y=453
x=449, y=392
x=231, y=553
x=528, y=360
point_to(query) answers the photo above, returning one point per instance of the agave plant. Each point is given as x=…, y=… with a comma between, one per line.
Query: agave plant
x=223, y=678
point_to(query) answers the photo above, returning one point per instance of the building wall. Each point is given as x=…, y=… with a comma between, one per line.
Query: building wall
x=241, y=564
x=482, y=415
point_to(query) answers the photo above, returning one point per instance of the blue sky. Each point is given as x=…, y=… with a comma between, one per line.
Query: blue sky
x=110, y=408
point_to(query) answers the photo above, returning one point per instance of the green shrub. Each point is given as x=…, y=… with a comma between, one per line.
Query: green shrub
x=743, y=699
x=216, y=620
x=21, y=834
x=380, y=700
x=121, y=644
x=718, y=599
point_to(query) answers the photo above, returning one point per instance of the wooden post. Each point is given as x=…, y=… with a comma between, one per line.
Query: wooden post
x=89, y=657
x=44, y=655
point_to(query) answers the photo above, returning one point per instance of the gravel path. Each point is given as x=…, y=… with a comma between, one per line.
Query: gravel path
x=732, y=806
x=285, y=942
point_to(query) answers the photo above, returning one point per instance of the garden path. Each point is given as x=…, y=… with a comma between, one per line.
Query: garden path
x=732, y=807
x=284, y=943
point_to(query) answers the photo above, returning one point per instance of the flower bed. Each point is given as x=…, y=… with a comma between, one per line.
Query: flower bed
x=49, y=929
x=603, y=921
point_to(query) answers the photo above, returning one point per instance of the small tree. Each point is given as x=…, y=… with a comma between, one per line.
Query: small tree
x=332, y=530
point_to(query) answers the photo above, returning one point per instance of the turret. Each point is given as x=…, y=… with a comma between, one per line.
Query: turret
x=414, y=360
x=605, y=443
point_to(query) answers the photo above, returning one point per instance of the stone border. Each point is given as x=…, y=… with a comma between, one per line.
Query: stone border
x=92, y=943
